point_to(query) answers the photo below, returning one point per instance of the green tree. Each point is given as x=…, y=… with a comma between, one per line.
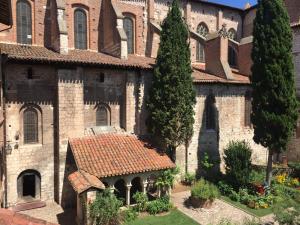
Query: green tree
x=172, y=95
x=275, y=106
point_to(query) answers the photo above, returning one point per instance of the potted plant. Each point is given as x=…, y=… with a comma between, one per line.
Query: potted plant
x=203, y=194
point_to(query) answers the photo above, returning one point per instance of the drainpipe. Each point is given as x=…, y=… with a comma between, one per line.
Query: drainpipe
x=3, y=61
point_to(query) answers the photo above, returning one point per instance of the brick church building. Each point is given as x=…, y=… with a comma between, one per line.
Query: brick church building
x=75, y=79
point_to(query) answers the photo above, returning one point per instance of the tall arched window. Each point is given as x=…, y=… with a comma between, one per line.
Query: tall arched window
x=210, y=112
x=30, y=126
x=202, y=29
x=129, y=30
x=80, y=29
x=232, y=34
x=232, y=59
x=102, y=116
x=248, y=109
x=24, y=24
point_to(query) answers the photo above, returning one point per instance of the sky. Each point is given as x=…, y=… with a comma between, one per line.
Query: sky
x=235, y=3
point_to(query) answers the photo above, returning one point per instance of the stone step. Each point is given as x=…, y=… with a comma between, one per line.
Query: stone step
x=28, y=205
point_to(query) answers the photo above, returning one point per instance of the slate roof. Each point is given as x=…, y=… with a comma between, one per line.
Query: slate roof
x=81, y=181
x=108, y=155
x=9, y=217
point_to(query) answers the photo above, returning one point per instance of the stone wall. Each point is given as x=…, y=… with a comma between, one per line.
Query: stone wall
x=38, y=93
x=229, y=118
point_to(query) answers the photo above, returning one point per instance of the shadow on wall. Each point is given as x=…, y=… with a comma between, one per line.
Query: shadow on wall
x=51, y=38
x=68, y=195
x=208, y=140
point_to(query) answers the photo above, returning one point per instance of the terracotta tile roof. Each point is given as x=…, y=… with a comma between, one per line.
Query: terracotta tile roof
x=44, y=55
x=8, y=217
x=82, y=181
x=107, y=155
x=201, y=76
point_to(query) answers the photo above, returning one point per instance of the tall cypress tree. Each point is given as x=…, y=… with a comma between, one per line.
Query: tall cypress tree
x=172, y=95
x=274, y=114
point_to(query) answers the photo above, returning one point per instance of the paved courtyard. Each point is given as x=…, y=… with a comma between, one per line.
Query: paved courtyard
x=53, y=213
x=219, y=211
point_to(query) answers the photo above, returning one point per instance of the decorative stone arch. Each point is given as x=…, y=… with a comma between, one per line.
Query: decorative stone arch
x=202, y=30
x=103, y=114
x=120, y=189
x=29, y=184
x=232, y=34
x=35, y=109
x=136, y=186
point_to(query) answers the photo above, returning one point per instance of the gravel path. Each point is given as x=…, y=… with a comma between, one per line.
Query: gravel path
x=219, y=211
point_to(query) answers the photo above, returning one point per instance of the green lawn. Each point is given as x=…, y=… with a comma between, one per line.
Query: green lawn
x=174, y=218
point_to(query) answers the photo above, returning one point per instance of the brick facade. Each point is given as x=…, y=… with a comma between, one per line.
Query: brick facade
x=66, y=95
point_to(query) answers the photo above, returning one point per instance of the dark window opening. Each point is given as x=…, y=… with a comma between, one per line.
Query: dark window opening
x=30, y=126
x=29, y=185
x=232, y=59
x=210, y=112
x=200, y=54
x=101, y=77
x=232, y=34
x=128, y=27
x=24, y=23
x=248, y=109
x=29, y=73
x=102, y=118
x=80, y=29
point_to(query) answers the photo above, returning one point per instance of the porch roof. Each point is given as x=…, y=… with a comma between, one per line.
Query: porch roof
x=81, y=181
x=108, y=155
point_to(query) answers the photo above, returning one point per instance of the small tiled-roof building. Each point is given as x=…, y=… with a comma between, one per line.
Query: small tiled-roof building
x=76, y=77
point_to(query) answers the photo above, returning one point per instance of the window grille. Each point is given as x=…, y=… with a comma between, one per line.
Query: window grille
x=80, y=29
x=102, y=116
x=24, y=24
x=128, y=27
x=30, y=126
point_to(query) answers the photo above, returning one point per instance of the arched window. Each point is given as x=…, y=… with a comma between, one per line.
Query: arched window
x=210, y=112
x=248, y=109
x=202, y=29
x=80, y=29
x=129, y=30
x=24, y=24
x=232, y=34
x=102, y=116
x=30, y=126
x=232, y=59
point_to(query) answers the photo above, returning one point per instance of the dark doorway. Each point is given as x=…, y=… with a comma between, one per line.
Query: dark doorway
x=136, y=187
x=120, y=190
x=29, y=185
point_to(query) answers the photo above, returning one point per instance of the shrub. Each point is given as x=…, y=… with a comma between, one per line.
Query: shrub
x=238, y=163
x=296, y=168
x=105, y=209
x=141, y=200
x=257, y=176
x=287, y=215
x=189, y=178
x=159, y=205
x=129, y=215
x=205, y=190
x=224, y=188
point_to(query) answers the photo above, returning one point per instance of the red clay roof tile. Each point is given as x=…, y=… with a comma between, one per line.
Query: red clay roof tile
x=107, y=155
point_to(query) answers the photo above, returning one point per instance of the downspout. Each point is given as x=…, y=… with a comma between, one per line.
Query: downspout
x=3, y=84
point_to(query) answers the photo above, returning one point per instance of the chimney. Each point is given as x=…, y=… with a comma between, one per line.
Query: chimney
x=245, y=61
x=216, y=54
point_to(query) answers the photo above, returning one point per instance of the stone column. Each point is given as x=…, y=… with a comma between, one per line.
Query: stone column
x=128, y=187
x=112, y=188
x=145, y=184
